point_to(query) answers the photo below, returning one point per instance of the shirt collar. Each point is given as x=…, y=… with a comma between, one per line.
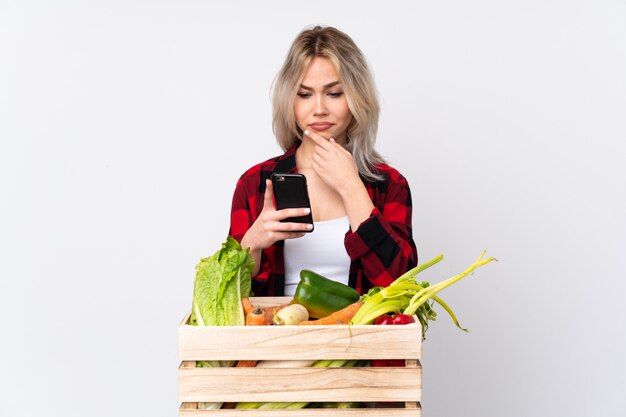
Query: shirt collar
x=286, y=163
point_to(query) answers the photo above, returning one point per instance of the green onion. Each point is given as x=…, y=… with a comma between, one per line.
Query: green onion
x=392, y=299
x=429, y=292
x=406, y=295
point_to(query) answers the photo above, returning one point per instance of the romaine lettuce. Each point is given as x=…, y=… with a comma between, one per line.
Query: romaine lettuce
x=222, y=280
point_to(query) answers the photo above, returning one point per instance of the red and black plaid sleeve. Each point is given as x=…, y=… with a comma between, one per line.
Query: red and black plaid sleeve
x=247, y=204
x=246, y=207
x=382, y=247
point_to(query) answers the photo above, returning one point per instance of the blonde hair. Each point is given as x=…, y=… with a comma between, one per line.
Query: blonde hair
x=358, y=85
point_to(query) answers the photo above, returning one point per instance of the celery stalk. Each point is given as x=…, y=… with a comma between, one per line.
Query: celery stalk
x=412, y=272
x=427, y=293
x=410, y=297
x=401, y=289
x=450, y=312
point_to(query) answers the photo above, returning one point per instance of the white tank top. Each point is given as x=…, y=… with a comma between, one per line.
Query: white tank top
x=321, y=251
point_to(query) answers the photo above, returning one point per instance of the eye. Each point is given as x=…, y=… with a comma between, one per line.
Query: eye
x=304, y=95
x=336, y=94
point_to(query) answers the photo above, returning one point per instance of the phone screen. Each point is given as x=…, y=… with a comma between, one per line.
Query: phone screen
x=290, y=191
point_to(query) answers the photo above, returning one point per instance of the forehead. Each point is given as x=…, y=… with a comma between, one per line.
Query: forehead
x=320, y=71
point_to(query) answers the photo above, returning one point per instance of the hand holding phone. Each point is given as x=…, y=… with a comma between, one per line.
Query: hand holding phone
x=290, y=191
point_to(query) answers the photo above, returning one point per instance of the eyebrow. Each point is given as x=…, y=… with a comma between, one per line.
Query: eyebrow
x=326, y=87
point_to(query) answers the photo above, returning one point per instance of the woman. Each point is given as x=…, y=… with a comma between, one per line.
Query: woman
x=325, y=112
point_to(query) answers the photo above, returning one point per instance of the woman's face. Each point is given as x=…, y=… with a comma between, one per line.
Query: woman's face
x=321, y=103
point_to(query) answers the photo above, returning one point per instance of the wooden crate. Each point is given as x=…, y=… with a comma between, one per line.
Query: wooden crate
x=366, y=384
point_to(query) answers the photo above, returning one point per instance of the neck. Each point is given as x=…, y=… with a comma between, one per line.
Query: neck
x=304, y=154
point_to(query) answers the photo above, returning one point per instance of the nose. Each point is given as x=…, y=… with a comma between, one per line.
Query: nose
x=320, y=106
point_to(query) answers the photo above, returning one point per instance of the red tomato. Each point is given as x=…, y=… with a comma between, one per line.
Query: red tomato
x=384, y=319
x=383, y=363
x=403, y=319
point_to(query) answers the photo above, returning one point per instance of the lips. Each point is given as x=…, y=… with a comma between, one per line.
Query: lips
x=319, y=126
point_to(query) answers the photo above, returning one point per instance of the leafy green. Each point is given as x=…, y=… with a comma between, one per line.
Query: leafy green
x=408, y=296
x=222, y=280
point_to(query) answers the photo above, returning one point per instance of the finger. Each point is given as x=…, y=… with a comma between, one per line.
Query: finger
x=268, y=199
x=318, y=139
x=320, y=171
x=280, y=227
x=291, y=212
x=334, y=143
x=321, y=152
x=293, y=235
x=341, y=148
x=317, y=160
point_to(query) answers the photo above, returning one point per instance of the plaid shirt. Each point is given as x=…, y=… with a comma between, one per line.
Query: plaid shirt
x=380, y=250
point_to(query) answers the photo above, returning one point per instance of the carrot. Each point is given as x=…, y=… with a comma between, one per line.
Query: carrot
x=257, y=317
x=248, y=307
x=251, y=314
x=246, y=364
x=271, y=310
x=342, y=316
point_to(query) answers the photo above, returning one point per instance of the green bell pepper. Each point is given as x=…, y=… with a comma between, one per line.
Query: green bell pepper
x=322, y=296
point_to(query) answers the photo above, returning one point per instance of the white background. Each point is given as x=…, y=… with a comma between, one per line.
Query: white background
x=124, y=126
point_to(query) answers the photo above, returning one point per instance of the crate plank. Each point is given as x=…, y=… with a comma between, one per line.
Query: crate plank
x=299, y=384
x=390, y=385
x=299, y=342
x=269, y=301
x=307, y=412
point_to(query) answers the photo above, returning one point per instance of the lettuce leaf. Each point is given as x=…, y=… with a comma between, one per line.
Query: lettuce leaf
x=222, y=280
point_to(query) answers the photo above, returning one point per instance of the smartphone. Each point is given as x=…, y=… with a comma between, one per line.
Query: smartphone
x=290, y=191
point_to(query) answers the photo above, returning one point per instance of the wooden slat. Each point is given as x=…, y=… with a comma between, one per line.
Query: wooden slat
x=389, y=385
x=307, y=412
x=412, y=363
x=299, y=384
x=185, y=320
x=269, y=301
x=299, y=342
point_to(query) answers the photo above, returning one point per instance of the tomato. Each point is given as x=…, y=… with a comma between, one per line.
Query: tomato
x=403, y=319
x=384, y=319
x=383, y=363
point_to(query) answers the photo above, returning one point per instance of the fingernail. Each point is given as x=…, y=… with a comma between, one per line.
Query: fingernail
x=307, y=210
x=306, y=132
x=332, y=140
x=309, y=226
